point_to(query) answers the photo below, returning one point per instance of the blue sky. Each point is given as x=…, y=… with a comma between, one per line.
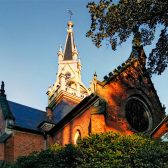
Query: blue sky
x=31, y=32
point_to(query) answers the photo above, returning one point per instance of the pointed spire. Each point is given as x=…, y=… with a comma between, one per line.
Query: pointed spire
x=93, y=83
x=70, y=44
x=75, y=49
x=2, y=90
x=60, y=49
x=60, y=53
x=95, y=75
x=75, y=53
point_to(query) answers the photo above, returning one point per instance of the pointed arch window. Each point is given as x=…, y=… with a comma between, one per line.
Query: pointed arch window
x=77, y=136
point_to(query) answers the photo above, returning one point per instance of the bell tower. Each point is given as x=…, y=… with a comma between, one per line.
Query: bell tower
x=68, y=81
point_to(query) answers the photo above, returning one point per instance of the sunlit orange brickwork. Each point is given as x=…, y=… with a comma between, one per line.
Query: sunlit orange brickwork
x=21, y=144
x=66, y=134
x=115, y=94
x=2, y=151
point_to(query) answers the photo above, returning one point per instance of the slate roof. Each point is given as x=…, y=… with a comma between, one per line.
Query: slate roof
x=26, y=117
x=68, y=49
x=61, y=110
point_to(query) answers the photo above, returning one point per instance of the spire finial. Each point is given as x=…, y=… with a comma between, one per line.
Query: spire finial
x=2, y=85
x=2, y=90
x=70, y=23
x=60, y=48
x=95, y=75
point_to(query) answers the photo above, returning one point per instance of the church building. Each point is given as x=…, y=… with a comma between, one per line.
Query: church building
x=125, y=102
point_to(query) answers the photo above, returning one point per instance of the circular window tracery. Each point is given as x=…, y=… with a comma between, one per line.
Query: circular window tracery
x=137, y=114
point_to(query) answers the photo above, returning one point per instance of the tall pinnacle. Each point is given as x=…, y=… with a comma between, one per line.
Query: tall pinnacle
x=2, y=90
x=70, y=44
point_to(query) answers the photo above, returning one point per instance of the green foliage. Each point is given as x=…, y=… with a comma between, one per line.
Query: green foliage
x=114, y=150
x=99, y=151
x=116, y=22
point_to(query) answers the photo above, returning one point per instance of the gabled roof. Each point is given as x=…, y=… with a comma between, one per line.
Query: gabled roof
x=135, y=55
x=26, y=118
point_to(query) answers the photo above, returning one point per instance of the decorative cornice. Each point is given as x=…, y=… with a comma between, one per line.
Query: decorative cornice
x=63, y=94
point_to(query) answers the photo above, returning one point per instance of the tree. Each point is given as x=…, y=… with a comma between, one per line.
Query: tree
x=116, y=22
x=103, y=150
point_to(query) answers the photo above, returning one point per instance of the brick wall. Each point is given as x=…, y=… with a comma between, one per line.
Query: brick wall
x=81, y=123
x=9, y=149
x=26, y=143
x=97, y=123
x=116, y=94
x=1, y=151
x=129, y=83
x=21, y=144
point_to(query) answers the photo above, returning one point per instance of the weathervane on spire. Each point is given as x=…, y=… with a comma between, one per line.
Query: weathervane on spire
x=70, y=14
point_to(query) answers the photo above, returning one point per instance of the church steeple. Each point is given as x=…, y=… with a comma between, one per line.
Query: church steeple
x=68, y=83
x=2, y=90
x=69, y=44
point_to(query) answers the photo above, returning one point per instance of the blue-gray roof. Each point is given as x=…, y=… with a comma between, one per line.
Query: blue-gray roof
x=61, y=110
x=26, y=117
x=68, y=49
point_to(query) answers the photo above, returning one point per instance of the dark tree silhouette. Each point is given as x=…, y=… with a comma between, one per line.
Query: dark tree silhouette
x=116, y=22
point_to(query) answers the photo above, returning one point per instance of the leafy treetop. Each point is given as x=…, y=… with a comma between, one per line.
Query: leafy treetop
x=99, y=151
x=116, y=22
